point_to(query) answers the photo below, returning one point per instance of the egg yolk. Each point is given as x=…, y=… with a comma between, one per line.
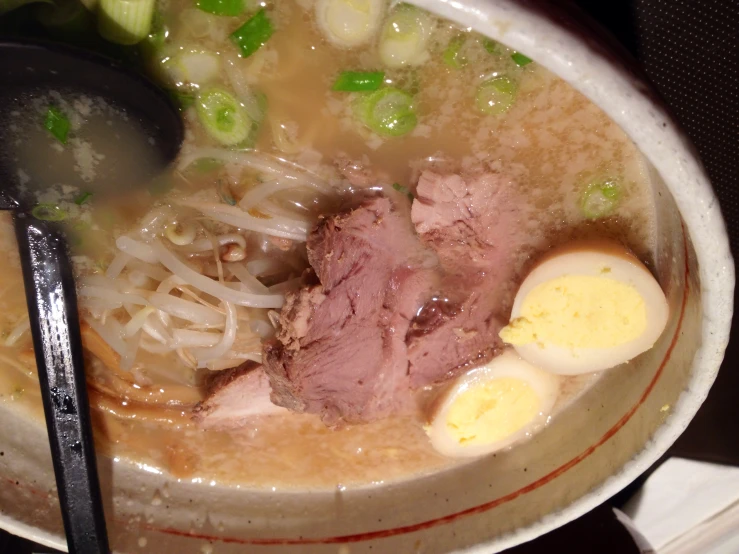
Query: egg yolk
x=579, y=311
x=492, y=411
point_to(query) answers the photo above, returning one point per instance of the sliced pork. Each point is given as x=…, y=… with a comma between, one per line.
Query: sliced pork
x=235, y=396
x=401, y=299
x=471, y=223
x=341, y=349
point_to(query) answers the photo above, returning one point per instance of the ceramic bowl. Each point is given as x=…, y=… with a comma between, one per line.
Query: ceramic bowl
x=618, y=429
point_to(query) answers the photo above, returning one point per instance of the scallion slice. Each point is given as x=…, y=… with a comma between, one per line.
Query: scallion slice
x=57, y=123
x=600, y=199
x=452, y=55
x=253, y=34
x=206, y=165
x=388, y=111
x=125, y=21
x=158, y=33
x=495, y=96
x=520, y=59
x=403, y=190
x=490, y=45
x=405, y=36
x=221, y=7
x=223, y=116
x=359, y=81
x=181, y=99
x=49, y=212
x=83, y=198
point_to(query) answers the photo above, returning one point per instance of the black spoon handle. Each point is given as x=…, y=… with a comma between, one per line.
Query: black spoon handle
x=52, y=308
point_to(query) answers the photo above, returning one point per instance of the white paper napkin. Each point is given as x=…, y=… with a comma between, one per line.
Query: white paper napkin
x=687, y=506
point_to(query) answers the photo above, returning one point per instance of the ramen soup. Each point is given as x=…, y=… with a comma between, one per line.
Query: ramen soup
x=388, y=245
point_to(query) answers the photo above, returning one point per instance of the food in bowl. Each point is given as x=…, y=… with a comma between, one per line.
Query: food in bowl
x=326, y=280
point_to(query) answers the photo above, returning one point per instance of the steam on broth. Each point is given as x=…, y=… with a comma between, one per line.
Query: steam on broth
x=187, y=278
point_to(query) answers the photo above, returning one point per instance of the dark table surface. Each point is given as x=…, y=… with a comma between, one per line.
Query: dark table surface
x=690, y=51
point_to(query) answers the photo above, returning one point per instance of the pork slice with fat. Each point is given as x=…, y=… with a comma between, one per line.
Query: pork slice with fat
x=235, y=396
x=341, y=349
x=472, y=224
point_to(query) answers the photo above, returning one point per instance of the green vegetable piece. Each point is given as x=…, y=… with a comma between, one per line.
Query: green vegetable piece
x=403, y=190
x=520, y=59
x=157, y=36
x=182, y=100
x=405, y=36
x=452, y=55
x=253, y=34
x=49, y=212
x=206, y=165
x=490, y=45
x=57, y=124
x=495, y=96
x=125, y=21
x=223, y=116
x=388, y=111
x=76, y=235
x=83, y=198
x=359, y=81
x=221, y=7
x=600, y=199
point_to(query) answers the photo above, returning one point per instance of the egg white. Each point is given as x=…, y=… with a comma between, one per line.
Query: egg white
x=508, y=364
x=622, y=267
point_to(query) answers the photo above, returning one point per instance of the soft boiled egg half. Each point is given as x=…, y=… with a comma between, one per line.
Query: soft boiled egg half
x=491, y=407
x=586, y=308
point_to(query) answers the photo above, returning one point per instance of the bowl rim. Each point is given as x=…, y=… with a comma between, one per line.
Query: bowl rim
x=521, y=25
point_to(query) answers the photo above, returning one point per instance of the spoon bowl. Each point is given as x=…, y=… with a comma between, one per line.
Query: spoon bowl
x=32, y=68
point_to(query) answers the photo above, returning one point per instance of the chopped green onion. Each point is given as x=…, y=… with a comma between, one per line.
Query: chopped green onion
x=452, y=55
x=82, y=198
x=206, y=165
x=76, y=235
x=490, y=45
x=182, y=100
x=193, y=68
x=520, y=59
x=403, y=190
x=405, y=36
x=358, y=81
x=388, y=111
x=349, y=23
x=125, y=21
x=253, y=34
x=223, y=116
x=49, y=212
x=221, y=7
x=157, y=36
x=495, y=96
x=600, y=199
x=57, y=123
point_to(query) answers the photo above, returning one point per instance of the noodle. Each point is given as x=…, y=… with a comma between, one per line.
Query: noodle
x=274, y=226
x=265, y=164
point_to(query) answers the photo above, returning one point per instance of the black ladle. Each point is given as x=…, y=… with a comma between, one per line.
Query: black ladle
x=47, y=270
